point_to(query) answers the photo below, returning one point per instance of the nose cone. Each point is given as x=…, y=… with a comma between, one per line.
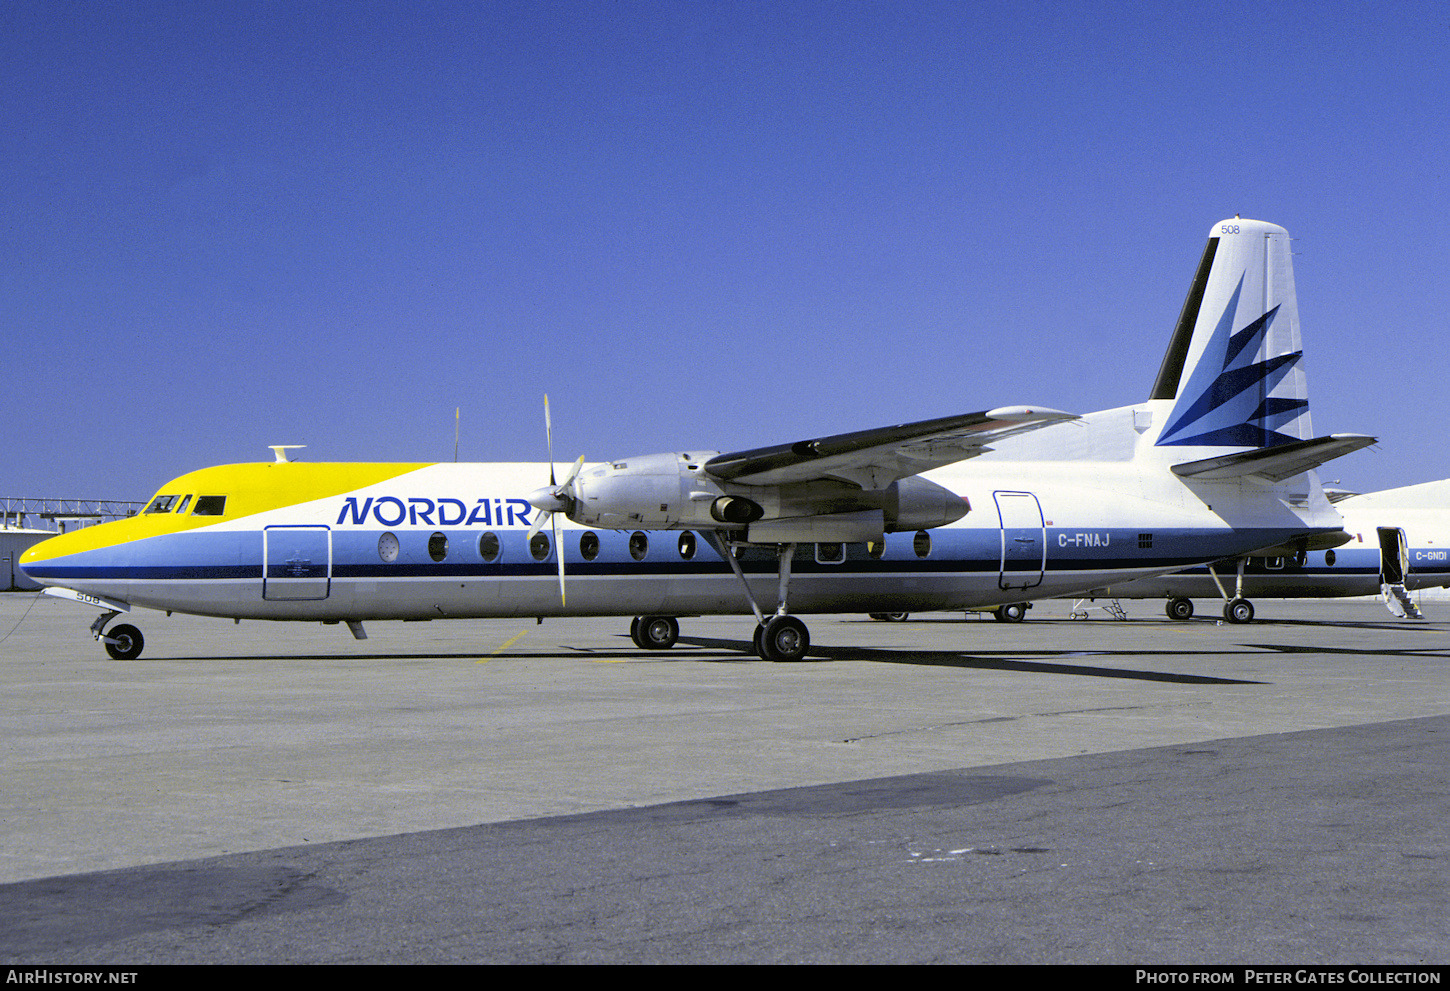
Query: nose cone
x=39, y=560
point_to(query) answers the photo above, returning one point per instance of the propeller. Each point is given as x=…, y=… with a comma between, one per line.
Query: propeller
x=554, y=499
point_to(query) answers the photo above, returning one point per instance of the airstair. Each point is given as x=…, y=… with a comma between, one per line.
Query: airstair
x=1398, y=601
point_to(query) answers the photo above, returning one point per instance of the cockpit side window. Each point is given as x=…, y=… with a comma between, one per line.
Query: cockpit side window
x=210, y=506
x=161, y=504
x=184, y=503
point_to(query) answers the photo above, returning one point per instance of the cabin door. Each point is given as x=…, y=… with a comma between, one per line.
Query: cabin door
x=296, y=562
x=1024, y=540
x=1394, y=556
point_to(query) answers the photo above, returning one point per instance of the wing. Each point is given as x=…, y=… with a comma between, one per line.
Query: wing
x=873, y=459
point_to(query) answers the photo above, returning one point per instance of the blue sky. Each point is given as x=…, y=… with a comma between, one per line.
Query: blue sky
x=695, y=225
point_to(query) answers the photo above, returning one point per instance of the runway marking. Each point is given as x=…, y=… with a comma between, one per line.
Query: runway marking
x=506, y=645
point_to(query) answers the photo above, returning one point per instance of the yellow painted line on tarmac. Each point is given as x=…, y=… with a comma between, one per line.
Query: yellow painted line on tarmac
x=506, y=645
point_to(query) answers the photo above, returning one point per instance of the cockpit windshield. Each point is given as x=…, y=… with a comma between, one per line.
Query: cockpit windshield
x=161, y=504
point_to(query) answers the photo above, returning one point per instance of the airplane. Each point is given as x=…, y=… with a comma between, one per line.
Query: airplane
x=1399, y=541
x=995, y=507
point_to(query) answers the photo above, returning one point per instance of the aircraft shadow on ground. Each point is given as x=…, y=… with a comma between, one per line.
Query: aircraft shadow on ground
x=715, y=650
x=1011, y=662
x=740, y=651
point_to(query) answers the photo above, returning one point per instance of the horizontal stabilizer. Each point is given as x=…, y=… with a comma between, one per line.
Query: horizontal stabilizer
x=1276, y=463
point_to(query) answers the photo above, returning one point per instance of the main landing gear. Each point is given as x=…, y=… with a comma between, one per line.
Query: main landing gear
x=780, y=637
x=1179, y=608
x=1012, y=612
x=654, y=632
x=1236, y=609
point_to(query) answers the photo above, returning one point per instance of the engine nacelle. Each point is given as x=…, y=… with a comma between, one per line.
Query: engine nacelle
x=674, y=492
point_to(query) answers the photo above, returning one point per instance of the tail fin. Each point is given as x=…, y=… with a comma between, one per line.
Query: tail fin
x=1232, y=367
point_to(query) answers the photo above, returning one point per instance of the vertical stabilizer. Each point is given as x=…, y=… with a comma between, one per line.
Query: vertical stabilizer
x=1233, y=366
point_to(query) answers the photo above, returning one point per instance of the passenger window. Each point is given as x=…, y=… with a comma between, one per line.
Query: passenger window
x=210, y=506
x=539, y=547
x=437, y=547
x=687, y=546
x=488, y=547
x=921, y=543
x=589, y=545
x=638, y=545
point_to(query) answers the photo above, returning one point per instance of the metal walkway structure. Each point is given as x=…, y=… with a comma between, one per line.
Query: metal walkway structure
x=53, y=514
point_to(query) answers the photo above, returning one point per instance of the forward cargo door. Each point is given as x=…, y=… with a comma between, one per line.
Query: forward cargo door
x=296, y=562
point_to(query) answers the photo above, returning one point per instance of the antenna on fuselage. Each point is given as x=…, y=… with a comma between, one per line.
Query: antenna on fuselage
x=280, y=450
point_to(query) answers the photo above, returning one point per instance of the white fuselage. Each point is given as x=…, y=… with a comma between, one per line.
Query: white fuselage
x=1077, y=506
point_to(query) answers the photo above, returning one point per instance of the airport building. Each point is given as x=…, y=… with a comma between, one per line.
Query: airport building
x=54, y=516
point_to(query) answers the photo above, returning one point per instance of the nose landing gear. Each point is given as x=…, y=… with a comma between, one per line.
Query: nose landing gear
x=123, y=643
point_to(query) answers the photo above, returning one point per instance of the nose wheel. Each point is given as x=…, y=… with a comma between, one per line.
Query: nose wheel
x=124, y=642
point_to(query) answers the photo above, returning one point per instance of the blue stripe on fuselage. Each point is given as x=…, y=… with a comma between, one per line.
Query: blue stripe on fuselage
x=203, y=555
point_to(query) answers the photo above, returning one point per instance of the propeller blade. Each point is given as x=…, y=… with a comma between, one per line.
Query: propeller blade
x=556, y=497
x=549, y=434
x=559, y=553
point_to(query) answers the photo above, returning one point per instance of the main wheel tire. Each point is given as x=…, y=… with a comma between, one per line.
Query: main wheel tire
x=1179, y=608
x=1239, y=611
x=658, y=632
x=634, y=633
x=1013, y=612
x=128, y=642
x=784, y=638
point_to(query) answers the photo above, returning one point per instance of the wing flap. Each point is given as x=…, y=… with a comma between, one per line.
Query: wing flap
x=876, y=458
x=1276, y=463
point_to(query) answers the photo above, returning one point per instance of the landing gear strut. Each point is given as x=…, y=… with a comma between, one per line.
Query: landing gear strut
x=1236, y=608
x=782, y=637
